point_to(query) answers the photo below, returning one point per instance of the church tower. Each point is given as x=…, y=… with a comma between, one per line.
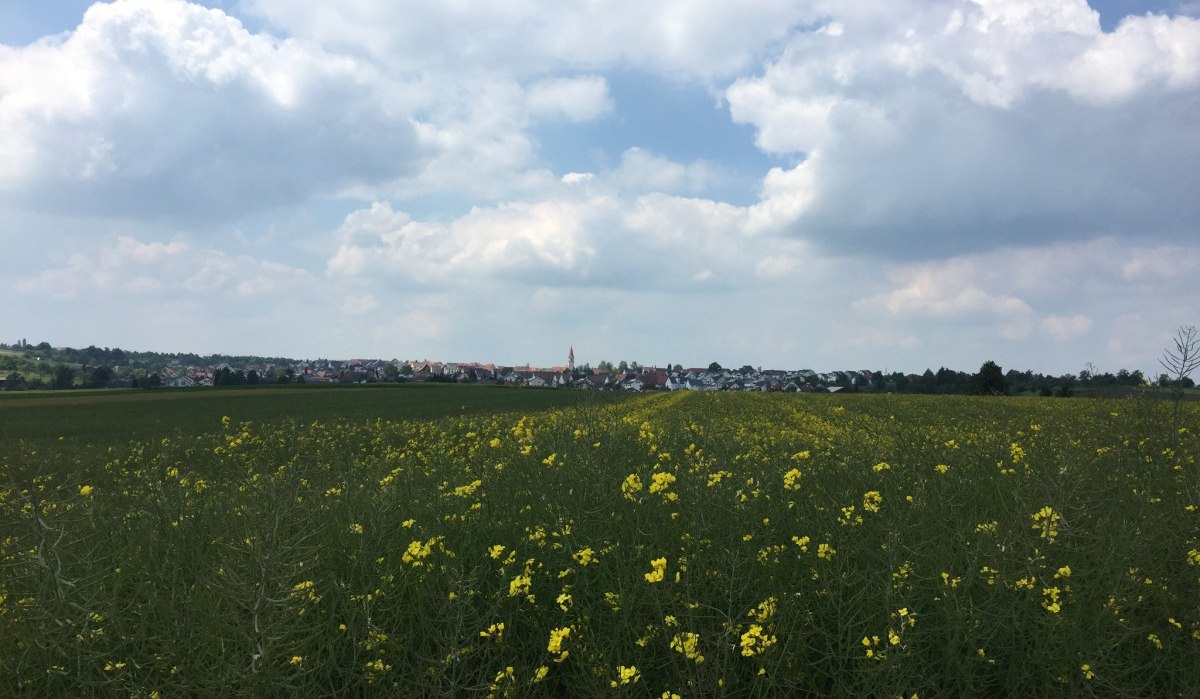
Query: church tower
x=571, y=359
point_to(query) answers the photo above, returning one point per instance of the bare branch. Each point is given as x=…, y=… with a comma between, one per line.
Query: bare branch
x=1185, y=358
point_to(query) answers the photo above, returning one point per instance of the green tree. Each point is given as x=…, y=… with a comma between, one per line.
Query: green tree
x=14, y=382
x=64, y=378
x=99, y=377
x=990, y=380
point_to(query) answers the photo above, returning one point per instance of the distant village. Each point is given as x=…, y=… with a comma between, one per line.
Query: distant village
x=622, y=377
x=25, y=366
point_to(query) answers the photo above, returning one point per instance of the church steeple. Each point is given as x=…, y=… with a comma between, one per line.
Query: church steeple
x=571, y=359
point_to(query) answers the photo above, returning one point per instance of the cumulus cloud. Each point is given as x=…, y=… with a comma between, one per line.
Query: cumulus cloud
x=643, y=171
x=622, y=228
x=676, y=36
x=1081, y=296
x=575, y=99
x=1065, y=327
x=162, y=107
x=128, y=267
x=944, y=291
x=944, y=127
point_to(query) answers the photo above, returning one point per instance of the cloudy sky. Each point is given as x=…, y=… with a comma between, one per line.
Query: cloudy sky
x=894, y=184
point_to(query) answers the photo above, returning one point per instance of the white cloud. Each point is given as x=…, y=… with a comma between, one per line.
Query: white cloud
x=128, y=268
x=576, y=99
x=675, y=36
x=944, y=127
x=643, y=171
x=161, y=107
x=1065, y=327
x=542, y=237
x=944, y=290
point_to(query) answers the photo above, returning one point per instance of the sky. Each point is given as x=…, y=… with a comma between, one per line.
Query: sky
x=884, y=184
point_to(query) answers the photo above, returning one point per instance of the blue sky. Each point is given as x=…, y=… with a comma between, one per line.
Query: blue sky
x=791, y=184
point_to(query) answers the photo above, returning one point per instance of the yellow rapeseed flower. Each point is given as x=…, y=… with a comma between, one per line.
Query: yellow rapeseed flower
x=555, y=645
x=688, y=644
x=631, y=486
x=755, y=641
x=659, y=572
x=626, y=675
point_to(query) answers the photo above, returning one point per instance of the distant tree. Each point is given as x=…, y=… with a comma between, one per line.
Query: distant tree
x=64, y=378
x=43, y=346
x=714, y=367
x=252, y=378
x=99, y=377
x=152, y=381
x=990, y=380
x=677, y=368
x=623, y=366
x=14, y=382
x=605, y=366
x=391, y=372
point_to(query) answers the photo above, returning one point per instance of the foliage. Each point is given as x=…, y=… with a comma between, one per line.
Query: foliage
x=990, y=380
x=691, y=544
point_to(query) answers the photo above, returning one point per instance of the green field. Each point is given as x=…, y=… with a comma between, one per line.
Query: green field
x=467, y=541
x=114, y=417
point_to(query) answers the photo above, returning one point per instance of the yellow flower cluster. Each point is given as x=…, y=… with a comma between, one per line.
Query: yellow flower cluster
x=661, y=484
x=755, y=641
x=558, y=637
x=418, y=551
x=631, y=486
x=626, y=675
x=1045, y=521
x=656, y=575
x=688, y=644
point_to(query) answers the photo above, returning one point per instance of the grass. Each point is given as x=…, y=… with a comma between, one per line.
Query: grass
x=110, y=417
x=684, y=544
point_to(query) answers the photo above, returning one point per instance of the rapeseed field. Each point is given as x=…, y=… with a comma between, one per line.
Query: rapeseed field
x=681, y=545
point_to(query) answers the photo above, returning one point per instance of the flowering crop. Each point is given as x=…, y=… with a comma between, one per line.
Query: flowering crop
x=664, y=545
